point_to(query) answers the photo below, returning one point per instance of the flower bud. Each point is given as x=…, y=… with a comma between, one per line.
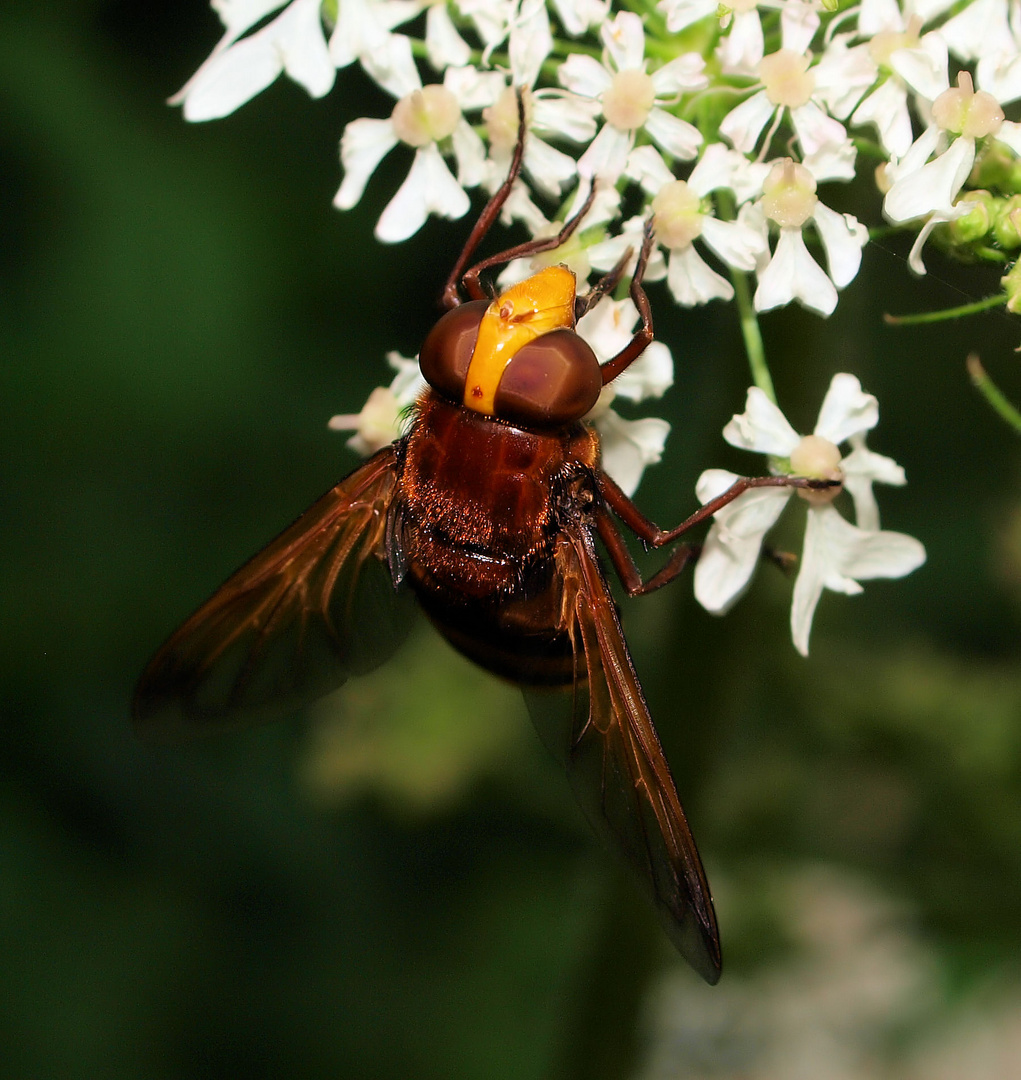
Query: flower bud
x=974, y=224
x=1007, y=224
x=1011, y=282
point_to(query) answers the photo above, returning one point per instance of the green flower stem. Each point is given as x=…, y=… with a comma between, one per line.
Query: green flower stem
x=992, y=393
x=752, y=335
x=922, y=317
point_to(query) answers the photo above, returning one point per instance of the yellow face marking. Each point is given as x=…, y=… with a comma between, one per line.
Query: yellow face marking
x=533, y=307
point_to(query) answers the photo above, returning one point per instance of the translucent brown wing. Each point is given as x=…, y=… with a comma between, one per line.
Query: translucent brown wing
x=315, y=606
x=604, y=735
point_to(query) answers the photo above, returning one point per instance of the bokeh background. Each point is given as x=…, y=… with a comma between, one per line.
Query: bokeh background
x=398, y=884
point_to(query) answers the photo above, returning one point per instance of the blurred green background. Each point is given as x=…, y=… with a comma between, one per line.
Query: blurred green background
x=399, y=884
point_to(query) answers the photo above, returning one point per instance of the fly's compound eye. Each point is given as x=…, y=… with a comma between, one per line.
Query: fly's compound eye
x=551, y=381
x=447, y=351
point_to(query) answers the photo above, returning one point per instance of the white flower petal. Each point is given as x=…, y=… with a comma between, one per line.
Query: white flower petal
x=650, y=376
x=470, y=153
x=798, y=24
x=742, y=49
x=836, y=554
x=682, y=13
x=230, y=78
x=761, y=427
x=887, y=109
x=815, y=129
x=675, y=136
x=549, y=168
x=843, y=237
x=691, y=281
x=238, y=16
x=444, y=45
x=624, y=40
x=975, y=29
x=743, y=125
x=733, y=545
x=408, y=383
x=737, y=244
x=862, y=468
x=392, y=66
x=999, y=74
x=846, y=410
x=792, y=274
x=924, y=69
x=561, y=113
x=293, y=42
x=363, y=146
x=364, y=25
x=842, y=76
x=933, y=186
x=1010, y=134
x=491, y=19
x=607, y=155
x=645, y=165
x=832, y=161
x=584, y=75
x=302, y=44
x=628, y=446
x=530, y=42
x=578, y=15
x=719, y=166
x=429, y=188
x=877, y=15
x=681, y=75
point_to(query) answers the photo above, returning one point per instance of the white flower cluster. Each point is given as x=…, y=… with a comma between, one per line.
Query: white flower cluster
x=721, y=122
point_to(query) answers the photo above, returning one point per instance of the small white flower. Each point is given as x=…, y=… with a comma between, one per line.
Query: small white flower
x=788, y=84
x=630, y=97
x=241, y=67
x=837, y=554
x=380, y=420
x=423, y=117
x=924, y=188
x=790, y=202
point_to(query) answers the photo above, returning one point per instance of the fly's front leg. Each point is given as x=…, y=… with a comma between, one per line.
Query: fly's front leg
x=652, y=535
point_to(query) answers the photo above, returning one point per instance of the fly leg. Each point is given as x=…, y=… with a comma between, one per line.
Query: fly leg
x=651, y=534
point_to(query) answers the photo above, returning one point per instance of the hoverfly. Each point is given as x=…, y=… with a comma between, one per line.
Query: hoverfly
x=487, y=511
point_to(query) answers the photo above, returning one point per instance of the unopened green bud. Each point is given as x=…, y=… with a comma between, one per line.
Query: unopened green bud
x=977, y=221
x=995, y=167
x=1007, y=226
x=1011, y=282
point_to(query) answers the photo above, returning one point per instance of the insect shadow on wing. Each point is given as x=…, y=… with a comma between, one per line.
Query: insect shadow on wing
x=486, y=512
